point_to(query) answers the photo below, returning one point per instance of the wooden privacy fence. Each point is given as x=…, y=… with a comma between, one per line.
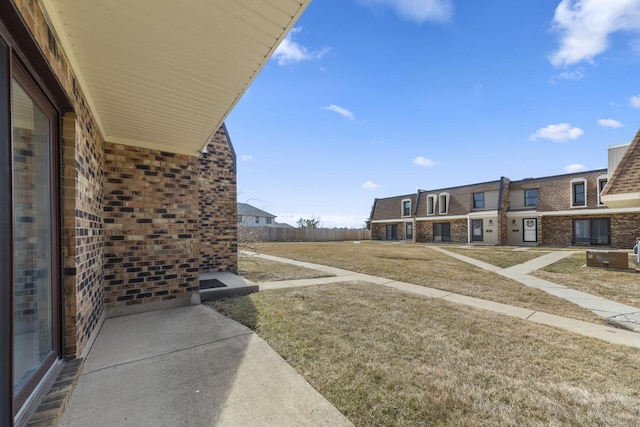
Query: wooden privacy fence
x=275, y=234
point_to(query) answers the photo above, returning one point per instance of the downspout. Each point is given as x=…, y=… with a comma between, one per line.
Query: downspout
x=415, y=214
x=468, y=229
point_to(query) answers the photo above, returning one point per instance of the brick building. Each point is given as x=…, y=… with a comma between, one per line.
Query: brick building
x=118, y=183
x=598, y=207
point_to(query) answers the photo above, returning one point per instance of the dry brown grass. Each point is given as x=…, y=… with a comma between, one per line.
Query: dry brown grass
x=259, y=270
x=498, y=256
x=387, y=358
x=616, y=285
x=417, y=264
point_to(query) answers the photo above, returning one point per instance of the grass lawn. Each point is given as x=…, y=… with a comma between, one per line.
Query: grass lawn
x=260, y=270
x=501, y=257
x=620, y=286
x=417, y=264
x=386, y=358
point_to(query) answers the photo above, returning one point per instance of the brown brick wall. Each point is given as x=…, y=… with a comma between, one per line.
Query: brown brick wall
x=218, y=206
x=558, y=231
x=83, y=232
x=379, y=230
x=625, y=229
x=554, y=193
x=151, y=226
x=424, y=230
x=504, y=202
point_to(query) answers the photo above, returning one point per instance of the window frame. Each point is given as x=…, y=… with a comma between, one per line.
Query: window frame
x=526, y=203
x=443, y=201
x=441, y=226
x=575, y=183
x=432, y=201
x=268, y=220
x=478, y=200
x=25, y=78
x=405, y=207
x=601, y=179
x=590, y=221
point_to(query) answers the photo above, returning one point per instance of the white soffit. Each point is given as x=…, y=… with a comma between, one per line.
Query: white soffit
x=164, y=74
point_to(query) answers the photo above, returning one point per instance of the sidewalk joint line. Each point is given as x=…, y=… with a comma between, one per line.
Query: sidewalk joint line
x=169, y=352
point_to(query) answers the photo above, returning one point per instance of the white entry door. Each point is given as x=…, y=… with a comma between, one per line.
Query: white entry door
x=530, y=226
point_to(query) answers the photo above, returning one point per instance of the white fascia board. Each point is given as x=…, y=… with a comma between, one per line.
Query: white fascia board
x=440, y=218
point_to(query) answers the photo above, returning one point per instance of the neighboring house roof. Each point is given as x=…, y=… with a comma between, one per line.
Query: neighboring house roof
x=623, y=187
x=282, y=225
x=164, y=75
x=248, y=210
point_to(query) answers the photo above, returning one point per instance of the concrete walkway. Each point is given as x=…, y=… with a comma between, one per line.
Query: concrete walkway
x=603, y=332
x=190, y=366
x=622, y=313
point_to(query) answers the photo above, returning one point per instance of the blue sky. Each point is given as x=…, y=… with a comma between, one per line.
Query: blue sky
x=377, y=98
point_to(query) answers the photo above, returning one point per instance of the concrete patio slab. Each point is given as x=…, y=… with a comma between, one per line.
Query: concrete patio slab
x=190, y=366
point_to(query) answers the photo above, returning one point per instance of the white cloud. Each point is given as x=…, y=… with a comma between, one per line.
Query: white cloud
x=246, y=158
x=342, y=111
x=575, y=75
x=610, y=123
x=585, y=27
x=574, y=167
x=290, y=52
x=635, y=101
x=423, y=161
x=557, y=133
x=370, y=185
x=418, y=11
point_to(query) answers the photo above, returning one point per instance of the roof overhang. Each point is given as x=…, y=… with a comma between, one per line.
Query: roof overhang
x=627, y=200
x=165, y=74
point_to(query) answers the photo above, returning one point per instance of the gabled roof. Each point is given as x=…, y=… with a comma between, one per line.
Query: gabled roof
x=165, y=74
x=248, y=210
x=623, y=187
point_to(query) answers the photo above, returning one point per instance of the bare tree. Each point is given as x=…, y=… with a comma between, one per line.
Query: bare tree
x=313, y=222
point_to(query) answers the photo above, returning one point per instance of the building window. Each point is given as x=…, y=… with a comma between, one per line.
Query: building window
x=406, y=208
x=268, y=220
x=594, y=231
x=478, y=200
x=443, y=200
x=578, y=192
x=257, y=220
x=392, y=232
x=531, y=197
x=442, y=232
x=602, y=182
x=432, y=200
x=239, y=219
x=35, y=240
x=408, y=231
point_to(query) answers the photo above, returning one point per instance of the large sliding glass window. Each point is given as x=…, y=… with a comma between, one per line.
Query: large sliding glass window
x=594, y=231
x=35, y=269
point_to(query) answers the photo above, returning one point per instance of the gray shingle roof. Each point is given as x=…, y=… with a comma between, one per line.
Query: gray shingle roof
x=246, y=209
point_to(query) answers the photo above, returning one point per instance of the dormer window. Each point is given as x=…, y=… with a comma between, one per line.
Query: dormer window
x=578, y=192
x=602, y=182
x=531, y=197
x=478, y=200
x=406, y=207
x=443, y=201
x=432, y=201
